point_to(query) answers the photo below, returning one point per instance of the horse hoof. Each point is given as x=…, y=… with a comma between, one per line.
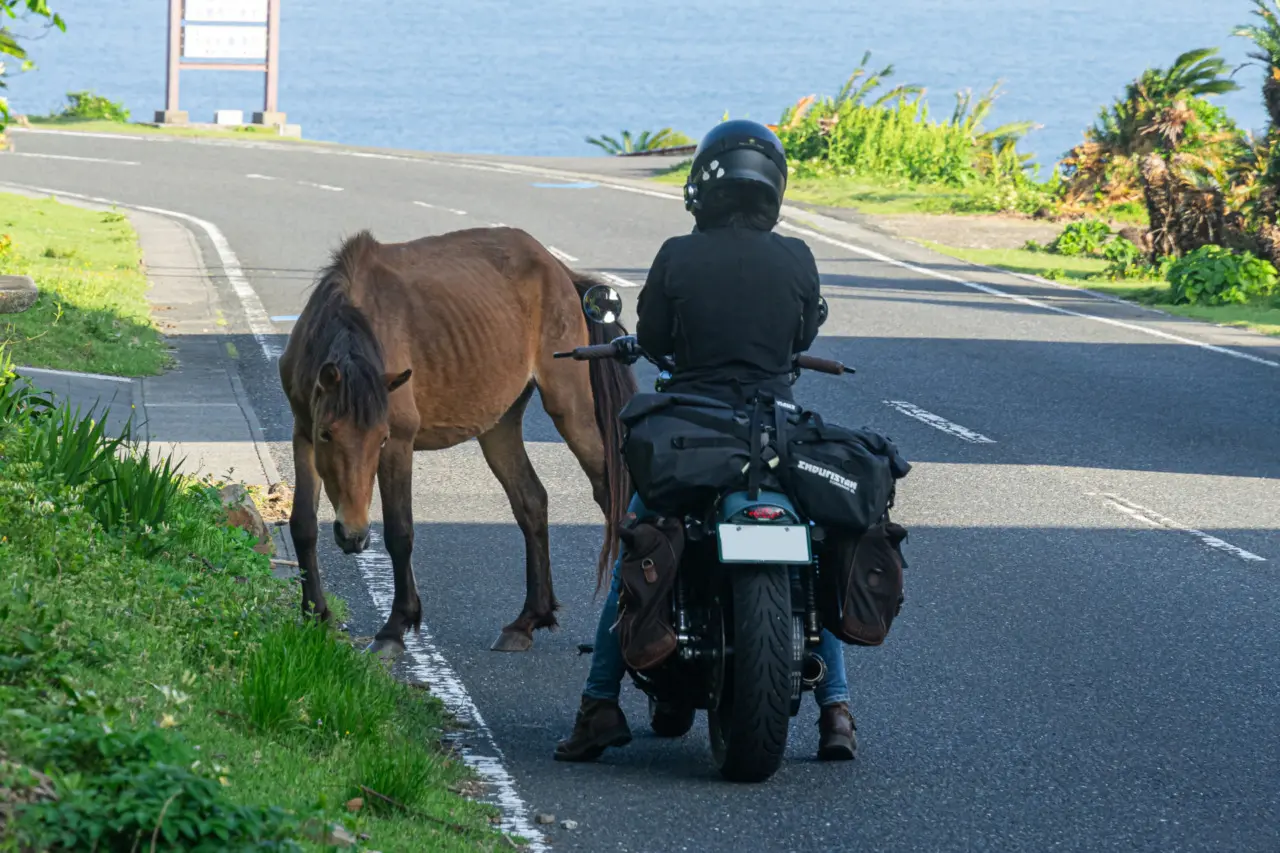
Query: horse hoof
x=387, y=649
x=512, y=641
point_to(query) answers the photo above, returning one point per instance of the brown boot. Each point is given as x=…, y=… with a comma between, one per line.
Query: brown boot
x=836, y=738
x=600, y=724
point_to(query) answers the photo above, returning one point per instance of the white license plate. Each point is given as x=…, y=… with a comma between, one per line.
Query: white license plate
x=764, y=543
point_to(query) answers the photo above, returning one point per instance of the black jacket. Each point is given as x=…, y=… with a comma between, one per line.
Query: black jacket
x=732, y=305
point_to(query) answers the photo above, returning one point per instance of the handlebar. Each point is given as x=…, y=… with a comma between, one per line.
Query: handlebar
x=625, y=348
x=590, y=353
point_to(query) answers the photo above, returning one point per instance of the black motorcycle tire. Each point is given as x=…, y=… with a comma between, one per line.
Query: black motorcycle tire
x=749, y=726
x=670, y=720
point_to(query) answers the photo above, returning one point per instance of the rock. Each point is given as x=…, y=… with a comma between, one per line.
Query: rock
x=569, y=824
x=545, y=819
x=329, y=835
x=355, y=804
x=243, y=513
x=17, y=293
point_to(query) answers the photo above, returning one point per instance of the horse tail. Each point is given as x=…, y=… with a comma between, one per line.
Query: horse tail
x=612, y=387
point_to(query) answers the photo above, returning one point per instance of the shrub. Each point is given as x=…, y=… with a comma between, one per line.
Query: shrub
x=1213, y=275
x=87, y=106
x=1126, y=261
x=1087, y=237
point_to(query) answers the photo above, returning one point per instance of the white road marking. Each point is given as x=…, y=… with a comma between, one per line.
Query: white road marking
x=499, y=225
x=563, y=256
x=429, y=665
x=260, y=324
x=77, y=159
x=1025, y=300
x=438, y=207
x=325, y=187
x=258, y=177
x=939, y=423
x=1155, y=519
x=617, y=280
x=74, y=373
x=285, y=318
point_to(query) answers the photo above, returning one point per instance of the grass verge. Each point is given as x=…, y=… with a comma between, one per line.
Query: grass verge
x=142, y=129
x=1263, y=316
x=92, y=314
x=158, y=689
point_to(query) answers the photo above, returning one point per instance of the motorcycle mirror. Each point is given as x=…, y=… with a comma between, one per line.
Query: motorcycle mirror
x=602, y=304
x=822, y=310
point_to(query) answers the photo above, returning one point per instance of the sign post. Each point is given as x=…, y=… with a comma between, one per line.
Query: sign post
x=224, y=35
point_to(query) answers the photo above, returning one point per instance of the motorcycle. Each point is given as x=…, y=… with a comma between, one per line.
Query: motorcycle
x=743, y=606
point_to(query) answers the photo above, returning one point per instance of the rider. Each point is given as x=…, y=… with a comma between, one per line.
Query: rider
x=733, y=302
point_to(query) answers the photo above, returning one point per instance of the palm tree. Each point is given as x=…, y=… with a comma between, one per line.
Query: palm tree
x=1266, y=37
x=646, y=141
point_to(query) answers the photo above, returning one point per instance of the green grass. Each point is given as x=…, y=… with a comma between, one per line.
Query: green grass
x=141, y=129
x=92, y=314
x=164, y=681
x=1088, y=272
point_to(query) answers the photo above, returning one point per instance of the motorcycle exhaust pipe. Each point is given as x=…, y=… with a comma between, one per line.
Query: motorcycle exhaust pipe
x=813, y=671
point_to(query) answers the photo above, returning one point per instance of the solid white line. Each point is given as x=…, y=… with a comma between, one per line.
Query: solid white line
x=321, y=186
x=438, y=207
x=1155, y=519
x=617, y=280
x=1024, y=300
x=938, y=422
x=189, y=405
x=77, y=159
x=563, y=256
x=427, y=664
x=258, y=177
x=260, y=324
x=73, y=373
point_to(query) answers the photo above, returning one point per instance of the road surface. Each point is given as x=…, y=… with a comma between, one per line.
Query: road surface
x=1088, y=655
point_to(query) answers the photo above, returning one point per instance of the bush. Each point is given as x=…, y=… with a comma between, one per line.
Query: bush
x=1212, y=275
x=86, y=106
x=1126, y=261
x=1087, y=237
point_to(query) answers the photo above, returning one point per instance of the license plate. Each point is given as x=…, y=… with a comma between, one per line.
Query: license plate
x=764, y=543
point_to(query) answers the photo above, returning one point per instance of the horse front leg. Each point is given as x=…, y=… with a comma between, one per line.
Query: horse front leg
x=395, y=485
x=304, y=528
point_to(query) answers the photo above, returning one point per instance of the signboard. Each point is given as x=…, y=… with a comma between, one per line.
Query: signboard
x=226, y=11
x=223, y=35
x=214, y=42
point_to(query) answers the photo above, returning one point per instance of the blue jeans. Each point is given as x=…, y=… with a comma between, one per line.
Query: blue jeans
x=604, y=681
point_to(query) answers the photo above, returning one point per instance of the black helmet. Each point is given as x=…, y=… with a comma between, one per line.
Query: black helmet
x=738, y=150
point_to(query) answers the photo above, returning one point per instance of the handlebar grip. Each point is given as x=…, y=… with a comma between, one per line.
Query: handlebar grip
x=821, y=365
x=609, y=350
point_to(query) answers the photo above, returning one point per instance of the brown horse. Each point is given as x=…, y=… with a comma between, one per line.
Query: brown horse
x=422, y=346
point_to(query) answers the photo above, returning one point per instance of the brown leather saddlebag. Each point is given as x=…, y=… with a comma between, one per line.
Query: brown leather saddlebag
x=861, y=583
x=651, y=551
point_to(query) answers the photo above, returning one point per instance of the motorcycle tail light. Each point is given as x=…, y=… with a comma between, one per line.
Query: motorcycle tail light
x=765, y=513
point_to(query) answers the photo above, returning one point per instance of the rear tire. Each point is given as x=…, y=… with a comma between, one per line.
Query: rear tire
x=669, y=720
x=749, y=726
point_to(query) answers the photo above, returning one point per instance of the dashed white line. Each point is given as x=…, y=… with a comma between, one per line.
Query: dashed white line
x=1155, y=519
x=563, y=256
x=325, y=187
x=439, y=207
x=255, y=176
x=427, y=664
x=938, y=422
x=616, y=280
x=76, y=159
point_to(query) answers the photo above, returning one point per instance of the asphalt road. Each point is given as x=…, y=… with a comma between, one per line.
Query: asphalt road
x=1087, y=657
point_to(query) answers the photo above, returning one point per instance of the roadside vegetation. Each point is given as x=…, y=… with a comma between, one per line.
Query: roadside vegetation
x=92, y=314
x=159, y=689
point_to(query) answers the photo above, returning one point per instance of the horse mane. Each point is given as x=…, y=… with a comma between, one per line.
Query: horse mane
x=339, y=333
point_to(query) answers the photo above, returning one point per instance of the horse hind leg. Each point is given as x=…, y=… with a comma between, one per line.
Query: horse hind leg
x=567, y=398
x=504, y=450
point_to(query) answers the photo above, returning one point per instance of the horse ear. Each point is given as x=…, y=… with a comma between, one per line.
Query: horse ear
x=394, y=381
x=329, y=376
